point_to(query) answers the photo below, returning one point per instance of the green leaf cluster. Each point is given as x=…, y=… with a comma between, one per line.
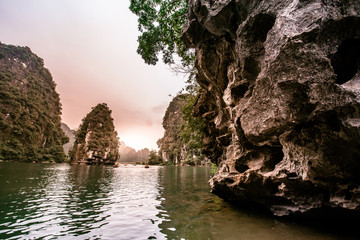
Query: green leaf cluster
x=161, y=23
x=30, y=124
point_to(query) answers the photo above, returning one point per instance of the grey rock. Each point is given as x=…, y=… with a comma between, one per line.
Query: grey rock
x=280, y=93
x=71, y=135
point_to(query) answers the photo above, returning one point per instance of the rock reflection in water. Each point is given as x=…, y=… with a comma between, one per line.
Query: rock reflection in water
x=54, y=200
x=60, y=201
x=191, y=212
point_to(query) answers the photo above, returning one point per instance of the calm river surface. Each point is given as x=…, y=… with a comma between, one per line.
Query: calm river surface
x=62, y=201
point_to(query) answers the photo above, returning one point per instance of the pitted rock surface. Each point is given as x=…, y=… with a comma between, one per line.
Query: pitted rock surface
x=280, y=93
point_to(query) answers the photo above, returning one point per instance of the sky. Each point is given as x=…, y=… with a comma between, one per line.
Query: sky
x=89, y=46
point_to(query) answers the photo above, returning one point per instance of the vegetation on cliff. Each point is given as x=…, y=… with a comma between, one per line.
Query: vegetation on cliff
x=192, y=128
x=182, y=140
x=161, y=23
x=30, y=109
x=96, y=140
x=170, y=144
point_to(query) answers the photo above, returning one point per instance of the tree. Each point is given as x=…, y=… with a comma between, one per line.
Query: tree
x=161, y=23
x=153, y=158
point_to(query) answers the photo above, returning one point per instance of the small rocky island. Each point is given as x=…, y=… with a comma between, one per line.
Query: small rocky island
x=96, y=140
x=281, y=98
x=30, y=109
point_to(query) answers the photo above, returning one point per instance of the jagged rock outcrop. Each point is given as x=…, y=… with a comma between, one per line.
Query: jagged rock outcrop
x=96, y=140
x=30, y=109
x=280, y=94
x=71, y=135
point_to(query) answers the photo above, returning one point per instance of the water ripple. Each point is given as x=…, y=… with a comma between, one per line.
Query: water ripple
x=85, y=202
x=60, y=201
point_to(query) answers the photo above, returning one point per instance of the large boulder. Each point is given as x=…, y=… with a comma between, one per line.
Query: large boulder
x=280, y=93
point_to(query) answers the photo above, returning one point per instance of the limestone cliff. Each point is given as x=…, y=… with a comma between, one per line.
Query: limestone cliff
x=30, y=109
x=179, y=145
x=280, y=94
x=71, y=135
x=96, y=140
x=170, y=145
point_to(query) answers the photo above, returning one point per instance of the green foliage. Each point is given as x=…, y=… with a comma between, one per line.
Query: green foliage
x=30, y=128
x=154, y=158
x=190, y=161
x=97, y=134
x=161, y=22
x=166, y=164
x=213, y=169
x=183, y=131
x=192, y=128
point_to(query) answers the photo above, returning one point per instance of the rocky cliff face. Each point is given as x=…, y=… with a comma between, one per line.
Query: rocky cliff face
x=71, y=135
x=171, y=146
x=96, y=141
x=30, y=109
x=179, y=145
x=280, y=93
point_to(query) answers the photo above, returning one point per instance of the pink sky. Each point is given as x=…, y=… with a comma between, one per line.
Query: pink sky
x=89, y=46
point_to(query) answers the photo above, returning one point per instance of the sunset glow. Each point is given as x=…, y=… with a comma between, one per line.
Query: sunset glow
x=90, y=49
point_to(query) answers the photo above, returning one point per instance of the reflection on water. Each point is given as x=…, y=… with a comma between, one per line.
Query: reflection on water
x=60, y=201
x=191, y=212
x=86, y=202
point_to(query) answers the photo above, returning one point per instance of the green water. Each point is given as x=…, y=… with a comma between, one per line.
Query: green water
x=61, y=201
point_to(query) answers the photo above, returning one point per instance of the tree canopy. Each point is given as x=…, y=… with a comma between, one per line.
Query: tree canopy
x=161, y=22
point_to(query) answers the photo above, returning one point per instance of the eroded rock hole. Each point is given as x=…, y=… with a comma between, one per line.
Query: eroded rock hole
x=239, y=91
x=275, y=156
x=292, y=175
x=346, y=61
x=251, y=68
x=261, y=26
x=229, y=180
x=241, y=167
